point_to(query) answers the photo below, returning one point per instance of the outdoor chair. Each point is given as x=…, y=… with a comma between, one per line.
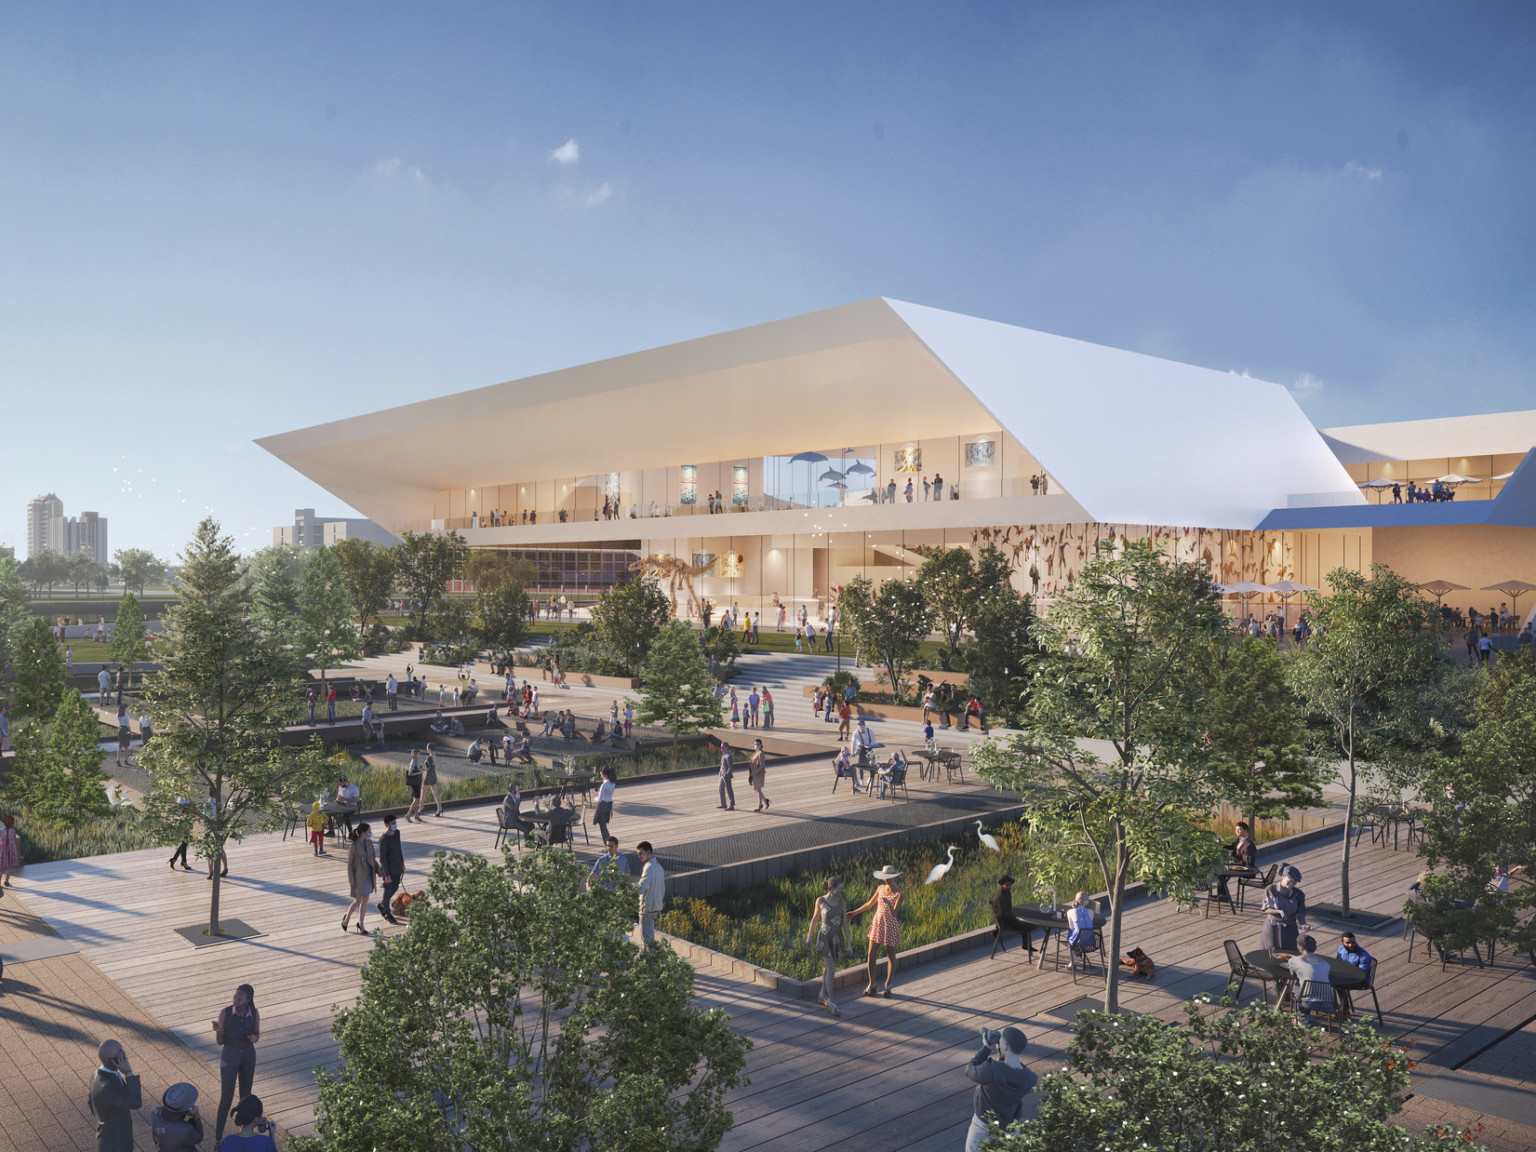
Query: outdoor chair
x=840, y=773
x=897, y=778
x=1370, y=986
x=998, y=940
x=504, y=829
x=1084, y=949
x=1262, y=881
x=1241, y=970
x=1213, y=893
x=1316, y=998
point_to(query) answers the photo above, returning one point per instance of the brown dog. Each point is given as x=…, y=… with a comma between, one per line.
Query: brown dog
x=401, y=904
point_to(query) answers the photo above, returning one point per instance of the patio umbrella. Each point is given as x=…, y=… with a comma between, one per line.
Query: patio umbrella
x=1456, y=478
x=1438, y=588
x=1380, y=487
x=1514, y=589
x=1247, y=589
x=1287, y=589
x=1503, y=475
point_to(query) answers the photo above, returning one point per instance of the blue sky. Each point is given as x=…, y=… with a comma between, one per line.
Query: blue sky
x=221, y=221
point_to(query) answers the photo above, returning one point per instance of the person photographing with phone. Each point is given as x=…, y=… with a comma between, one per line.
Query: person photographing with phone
x=115, y=1095
x=254, y=1132
x=1001, y=1082
x=175, y=1124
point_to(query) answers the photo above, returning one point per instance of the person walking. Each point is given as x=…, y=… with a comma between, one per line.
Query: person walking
x=844, y=715
x=235, y=1029
x=10, y=850
x=175, y=1124
x=124, y=735
x=653, y=891
x=884, y=928
x=1001, y=1082
x=391, y=866
x=310, y=699
x=757, y=775
x=315, y=822
x=362, y=867
x=831, y=939
x=604, y=810
x=115, y=1096
x=413, y=775
x=429, y=779
x=727, y=769
x=330, y=702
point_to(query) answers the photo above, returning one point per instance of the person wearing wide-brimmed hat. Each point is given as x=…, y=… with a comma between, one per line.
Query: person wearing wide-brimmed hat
x=884, y=928
x=1285, y=908
x=176, y=1124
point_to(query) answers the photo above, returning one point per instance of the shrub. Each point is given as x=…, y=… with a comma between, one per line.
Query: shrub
x=839, y=681
x=122, y=830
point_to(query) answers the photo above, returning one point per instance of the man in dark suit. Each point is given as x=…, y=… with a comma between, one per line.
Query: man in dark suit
x=1002, y=908
x=114, y=1097
x=391, y=866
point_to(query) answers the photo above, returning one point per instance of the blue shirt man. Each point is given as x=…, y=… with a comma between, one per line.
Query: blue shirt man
x=1351, y=953
x=614, y=857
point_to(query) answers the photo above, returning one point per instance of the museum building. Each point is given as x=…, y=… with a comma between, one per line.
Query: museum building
x=779, y=461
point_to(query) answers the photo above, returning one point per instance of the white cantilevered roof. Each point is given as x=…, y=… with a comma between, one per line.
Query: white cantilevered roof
x=1133, y=438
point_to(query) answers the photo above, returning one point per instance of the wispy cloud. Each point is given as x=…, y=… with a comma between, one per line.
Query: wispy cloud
x=1362, y=172
x=1306, y=387
x=567, y=153
x=599, y=195
x=397, y=169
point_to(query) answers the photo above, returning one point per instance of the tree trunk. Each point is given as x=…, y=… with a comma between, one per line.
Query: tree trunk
x=1116, y=898
x=213, y=905
x=1349, y=822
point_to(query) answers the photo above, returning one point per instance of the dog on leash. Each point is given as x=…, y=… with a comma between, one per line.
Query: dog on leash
x=401, y=904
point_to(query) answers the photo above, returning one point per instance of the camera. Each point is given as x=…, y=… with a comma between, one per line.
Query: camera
x=993, y=1039
x=264, y=1126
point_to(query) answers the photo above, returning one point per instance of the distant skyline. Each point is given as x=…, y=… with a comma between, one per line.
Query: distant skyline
x=219, y=222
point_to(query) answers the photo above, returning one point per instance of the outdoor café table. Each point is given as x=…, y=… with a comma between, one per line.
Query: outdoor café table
x=1039, y=916
x=930, y=761
x=333, y=812
x=1343, y=975
x=566, y=779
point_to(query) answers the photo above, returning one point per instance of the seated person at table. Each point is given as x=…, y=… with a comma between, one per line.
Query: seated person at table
x=896, y=768
x=1308, y=965
x=1351, y=953
x=511, y=811
x=842, y=765
x=347, y=794
x=560, y=820
x=1245, y=856
x=1002, y=909
x=1080, y=930
x=439, y=722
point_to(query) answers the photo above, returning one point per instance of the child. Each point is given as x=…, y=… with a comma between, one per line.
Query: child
x=735, y=709
x=799, y=639
x=315, y=822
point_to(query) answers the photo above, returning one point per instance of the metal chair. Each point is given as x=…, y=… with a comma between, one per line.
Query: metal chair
x=1370, y=986
x=1084, y=949
x=997, y=936
x=1261, y=882
x=1316, y=998
x=1241, y=970
x=840, y=773
x=896, y=779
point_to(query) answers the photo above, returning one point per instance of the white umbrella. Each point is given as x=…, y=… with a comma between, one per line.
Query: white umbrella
x=1380, y=486
x=1247, y=589
x=1454, y=478
x=1287, y=589
x=1503, y=475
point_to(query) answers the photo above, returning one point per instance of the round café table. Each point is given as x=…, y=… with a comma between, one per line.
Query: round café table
x=1039, y=916
x=1344, y=976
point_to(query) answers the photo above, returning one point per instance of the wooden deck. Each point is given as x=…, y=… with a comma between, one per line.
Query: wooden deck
x=886, y=1076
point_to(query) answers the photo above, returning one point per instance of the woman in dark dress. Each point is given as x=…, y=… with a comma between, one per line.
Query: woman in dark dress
x=236, y=1030
x=1285, y=909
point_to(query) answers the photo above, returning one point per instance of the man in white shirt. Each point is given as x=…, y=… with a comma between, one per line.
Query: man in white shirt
x=348, y=795
x=392, y=692
x=103, y=683
x=653, y=892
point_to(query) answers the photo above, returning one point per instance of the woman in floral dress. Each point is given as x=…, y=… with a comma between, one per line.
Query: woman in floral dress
x=831, y=939
x=884, y=928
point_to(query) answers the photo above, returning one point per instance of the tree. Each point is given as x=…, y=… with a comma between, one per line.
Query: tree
x=220, y=703
x=44, y=568
x=490, y=568
x=1482, y=815
x=137, y=568
x=1373, y=658
x=81, y=570
x=68, y=782
x=326, y=635
x=997, y=660
x=501, y=616
x=129, y=645
x=275, y=575
x=368, y=574
x=955, y=585
x=1254, y=732
x=515, y=1016
x=38, y=669
x=425, y=562
x=14, y=612
x=1118, y=664
x=1227, y=1079
x=888, y=624
x=677, y=689
x=629, y=618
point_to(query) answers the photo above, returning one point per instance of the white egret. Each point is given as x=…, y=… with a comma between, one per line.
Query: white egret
x=989, y=841
x=938, y=870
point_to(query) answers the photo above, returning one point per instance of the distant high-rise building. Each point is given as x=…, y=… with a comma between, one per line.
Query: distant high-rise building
x=48, y=527
x=310, y=531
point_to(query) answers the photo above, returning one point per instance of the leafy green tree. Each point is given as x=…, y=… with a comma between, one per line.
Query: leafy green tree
x=1246, y=1080
x=275, y=575
x=490, y=568
x=1119, y=665
x=137, y=568
x=515, y=1017
x=44, y=569
x=1482, y=817
x=424, y=563
x=629, y=618
x=220, y=704
x=38, y=670
x=129, y=645
x=368, y=573
x=998, y=658
x=452, y=622
x=14, y=612
x=722, y=644
x=81, y=569
x=1363, y=679
x=501, y=616
x=1257, y=742
x=955, y=585
x=677, y=690
x=69, y=783
x=326, y=635
x=888, y=624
